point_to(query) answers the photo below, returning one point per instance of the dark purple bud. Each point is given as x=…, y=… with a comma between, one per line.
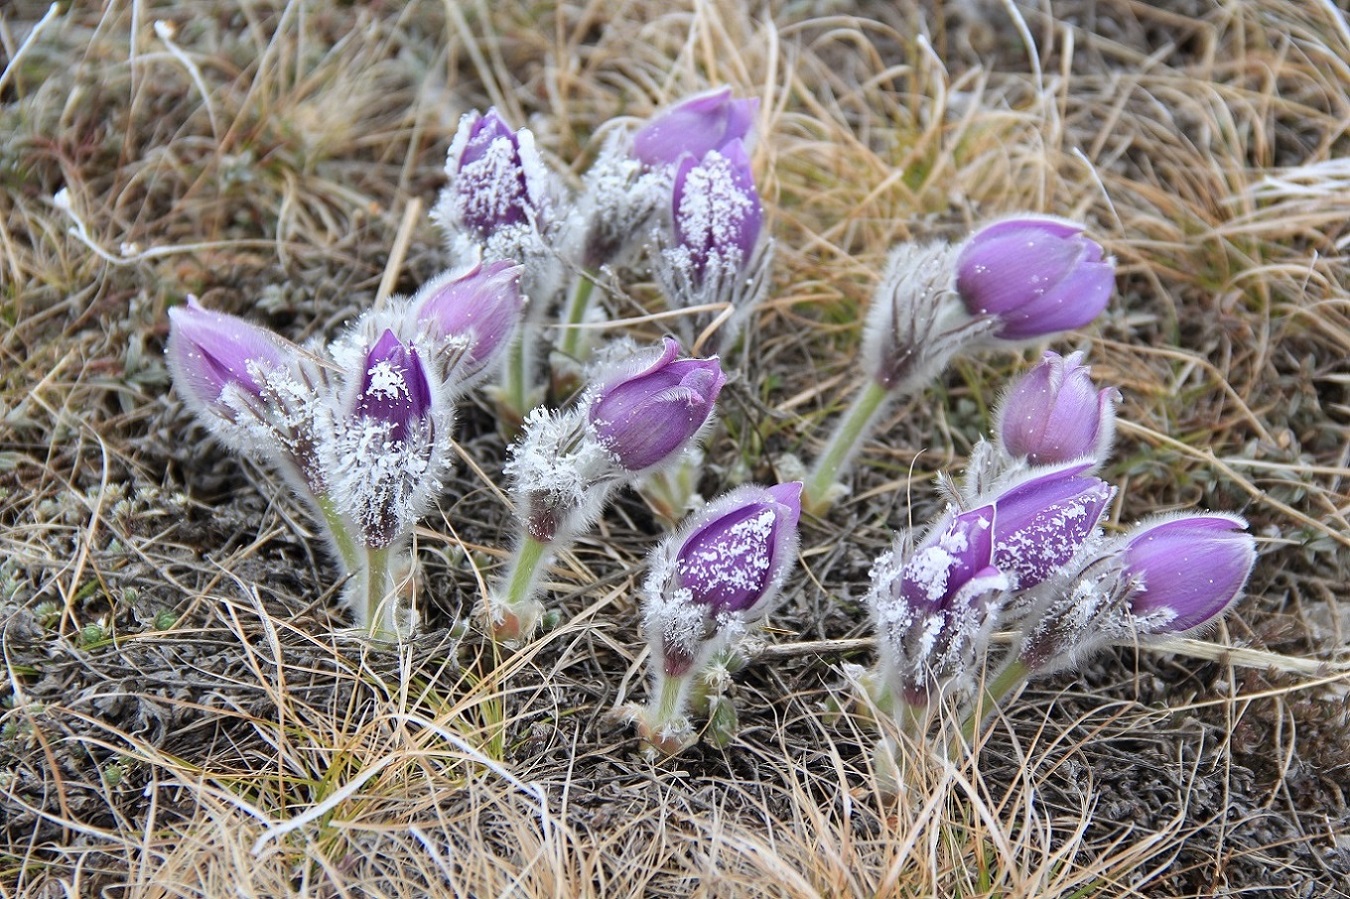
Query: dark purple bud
x=646, y=417
x=1040, y=524
x=209, y=351
x=694, y=126
x=1054, y=413
x=1037, y=275
x=394, y=388
x=716, y=209
x=740, y=548
x=490, y=174
x=1191, y=568
x=480, y=308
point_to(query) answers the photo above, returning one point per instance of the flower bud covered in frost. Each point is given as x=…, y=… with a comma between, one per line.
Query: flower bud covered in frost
x=211, y=352
x=716, y=210
x=383, y=456
x=499, y=199
x=471, y=316
x=933, y=603
x=650, y=408
x=694, y=126
x=1055, y=414
x=1041, y=523
x=1188, y=569
x=720, y=572
x=1036, y=275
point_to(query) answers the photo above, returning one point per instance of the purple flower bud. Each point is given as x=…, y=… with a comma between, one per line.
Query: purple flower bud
x=932, y=603
x=645, y=417
x=492, y=175
x=716, y=210
x=948, y=560
x=694, y=126
x=1040, y=524
x=1037, y=275
x=210, y=351
x=1189, y=568
x=394, y=387
x=1055, y=414
x=477, y=310
x=740, y=548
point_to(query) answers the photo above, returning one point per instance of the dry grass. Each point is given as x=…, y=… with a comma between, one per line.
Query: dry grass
x=183, y=715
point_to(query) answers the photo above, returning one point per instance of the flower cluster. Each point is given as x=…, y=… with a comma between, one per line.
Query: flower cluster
x=1021, y=549
x=361, y=428
x=1015, y=280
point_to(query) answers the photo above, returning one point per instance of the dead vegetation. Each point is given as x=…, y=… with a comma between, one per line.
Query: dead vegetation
x=183, y=715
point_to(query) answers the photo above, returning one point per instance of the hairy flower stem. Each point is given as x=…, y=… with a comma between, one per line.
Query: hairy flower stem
x=991, y=695
x=516, y=612
x=661, y=724
x=577, y=305
x=380, y=593
x=818, y=495
x=516, y=380
x=347, y=552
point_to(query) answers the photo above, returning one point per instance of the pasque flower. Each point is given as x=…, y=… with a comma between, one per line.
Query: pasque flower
x=708, y=584
x=1187, y=570
x=1042, y=522
x=496, y=177
x=212, y=354
x=1054, y=413
x=394, y=391
x=1035, y=274
x=716, y=210
x=694, y=126
x=648, y=409
x=471, y=317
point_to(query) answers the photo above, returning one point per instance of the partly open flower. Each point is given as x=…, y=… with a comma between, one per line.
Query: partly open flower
x=708, y=585
x=1036, y=275
x=1054, y=413
x=1188, y=569
x=932, y=602
x=469, y=317
x=694, y=126
x=648, y=410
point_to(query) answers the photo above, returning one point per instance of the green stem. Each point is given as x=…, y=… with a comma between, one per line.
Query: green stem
x=524, y=572
x=1011, y=676
x=346, y=548
x=381, y=603
x=515, y=387
x=577, y=305
x=514, y=612
x=843, y=442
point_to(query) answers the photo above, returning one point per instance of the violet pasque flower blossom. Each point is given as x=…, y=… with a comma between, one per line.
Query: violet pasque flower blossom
x=471, y=317
x=716, y=210
x=1035, y=274
x=694, y=126
x=1055, y=414
x=707, y=586
x=1041, y=523
x=649, y=410
x=382, y=457
x=932, y=604
x=1187, y=570
x=494, y=174
x=211, y=353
